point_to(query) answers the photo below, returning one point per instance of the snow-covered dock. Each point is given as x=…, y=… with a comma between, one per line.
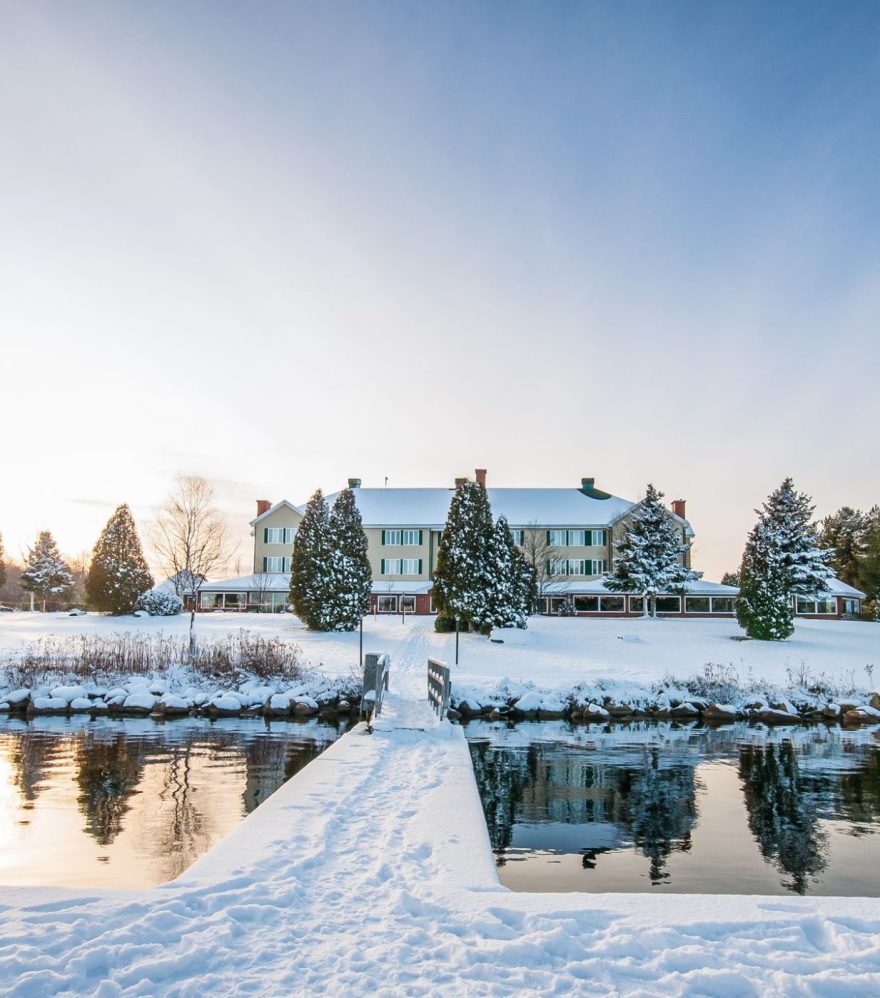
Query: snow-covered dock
x=370, y=872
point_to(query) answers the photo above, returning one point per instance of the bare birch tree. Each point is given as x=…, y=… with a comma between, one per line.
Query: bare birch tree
x=190, y=538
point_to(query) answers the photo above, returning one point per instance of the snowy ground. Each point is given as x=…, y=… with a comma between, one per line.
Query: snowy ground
x=371, y=872
x=553, y=653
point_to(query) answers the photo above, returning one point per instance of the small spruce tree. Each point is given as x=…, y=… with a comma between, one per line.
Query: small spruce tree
x=512, y=583
x=118, y=574
x=782, y=559
x=351, y=575
x=465, y=578
x=46, y=573
x=310, y=568
x=649, y=560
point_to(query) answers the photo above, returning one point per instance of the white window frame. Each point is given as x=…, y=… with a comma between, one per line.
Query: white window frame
x=275, y=564
x=411, y=537
x=409, y=566
x=553, y=538
x=391, y=598
x=518, y=535
x=278, y=535
x=391, y=566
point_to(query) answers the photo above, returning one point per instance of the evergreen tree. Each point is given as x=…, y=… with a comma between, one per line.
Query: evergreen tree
x=45, y=573
x=2, y=564
x=351, y=575
x=844, y=534
x=311, y=587
x=649, y=560
x=465, y=578
x=118, y=574
x=869, y=569
x=730, y=579
x=782, y=559
x=512, y=583
x=763, y=608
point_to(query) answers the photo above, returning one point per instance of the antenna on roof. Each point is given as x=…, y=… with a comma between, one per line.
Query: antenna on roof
x=386, y=481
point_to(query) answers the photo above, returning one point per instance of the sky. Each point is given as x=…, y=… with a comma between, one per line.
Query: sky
x=282, y=244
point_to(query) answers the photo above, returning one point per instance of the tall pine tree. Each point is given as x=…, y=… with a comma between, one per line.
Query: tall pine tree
x=845, y=535
x=782, y=559
x=46, y=573
x=869, y=569
x=350, y=572
x=118, y=574
x=465, y=578
x=311, y=588
x=650, y=559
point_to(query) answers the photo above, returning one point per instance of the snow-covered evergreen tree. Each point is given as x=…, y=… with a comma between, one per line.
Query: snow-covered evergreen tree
x=650, y=558
x=465, y=577
x=763, y=608
x=118, y=574
x=46, y=573
x=869, y=569
x=782, y=559
x=512, y=584
x=351, y=575
x=311, y=587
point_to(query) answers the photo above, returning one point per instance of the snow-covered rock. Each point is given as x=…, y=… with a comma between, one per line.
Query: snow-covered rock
x=139, y=702
x=80, y=705
x=48, y=705
x=16, y=697
x=68, y=693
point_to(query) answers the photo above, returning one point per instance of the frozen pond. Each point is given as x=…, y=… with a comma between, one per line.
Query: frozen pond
x=132, y=803
x=662, y=807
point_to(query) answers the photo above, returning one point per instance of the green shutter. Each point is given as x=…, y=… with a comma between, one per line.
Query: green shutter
x=420, y=542
x=382, y=563
x=383, y=545
x=548, y=538
x=420, y=563
x=265, y=535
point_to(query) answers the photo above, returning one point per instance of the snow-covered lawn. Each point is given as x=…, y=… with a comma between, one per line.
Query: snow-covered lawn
x=552, y=653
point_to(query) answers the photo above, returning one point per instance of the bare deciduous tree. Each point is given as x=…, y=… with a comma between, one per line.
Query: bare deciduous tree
x=190, y=538
x=543, y=557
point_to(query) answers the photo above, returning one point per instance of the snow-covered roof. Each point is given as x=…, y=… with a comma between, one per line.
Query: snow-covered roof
x=390, y=588
x=270, y=582
x=698, y=587
x=522, y=507
x=835, y=587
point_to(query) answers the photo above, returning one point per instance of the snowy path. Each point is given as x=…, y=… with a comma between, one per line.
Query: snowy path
x=370, y=872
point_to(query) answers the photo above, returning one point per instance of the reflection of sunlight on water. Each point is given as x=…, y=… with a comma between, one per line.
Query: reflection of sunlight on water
x=132, y=804
x=9, y=806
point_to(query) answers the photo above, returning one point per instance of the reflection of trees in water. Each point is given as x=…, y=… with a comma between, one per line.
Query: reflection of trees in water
x=501, y=777
x=658, y=809
x=32, y=755
x=858, y=792
x=782, y=814
x=108, y=772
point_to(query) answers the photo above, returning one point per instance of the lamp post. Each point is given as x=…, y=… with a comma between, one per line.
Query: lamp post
x=361, y=649
x=456, y=640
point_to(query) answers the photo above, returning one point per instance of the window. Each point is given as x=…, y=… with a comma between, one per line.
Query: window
x=586, y=604
x=404, y=538
x=596, y=538
x=558, y=604
x=278, y=535
x=817, y=606
x=722, y=604
x=408, y=604
x=851, y=607
x=518, y=537
x=668, y=604
x=599, y=566
x=579, y=566
x=208, y=601
x=401, y=566
x=273, y=564
x=577, y=538
x=637, y=604
x=386, y=604
x=558, y=538
x=697, y=604
x=613, y=604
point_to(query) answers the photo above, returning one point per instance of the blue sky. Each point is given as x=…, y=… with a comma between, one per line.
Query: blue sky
x=282, y=244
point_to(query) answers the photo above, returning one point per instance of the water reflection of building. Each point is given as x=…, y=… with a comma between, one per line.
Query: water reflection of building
x=646, y=800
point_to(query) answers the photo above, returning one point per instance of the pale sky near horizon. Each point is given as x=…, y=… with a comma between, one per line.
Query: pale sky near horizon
x=280, y=244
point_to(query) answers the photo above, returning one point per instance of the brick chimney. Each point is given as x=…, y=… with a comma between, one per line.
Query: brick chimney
x=262, y=506
x=678, y=506
x=354, y=483
x=480, y=475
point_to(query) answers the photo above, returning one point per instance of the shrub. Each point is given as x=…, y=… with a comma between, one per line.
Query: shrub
x=443, y=624
x=159, y=604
